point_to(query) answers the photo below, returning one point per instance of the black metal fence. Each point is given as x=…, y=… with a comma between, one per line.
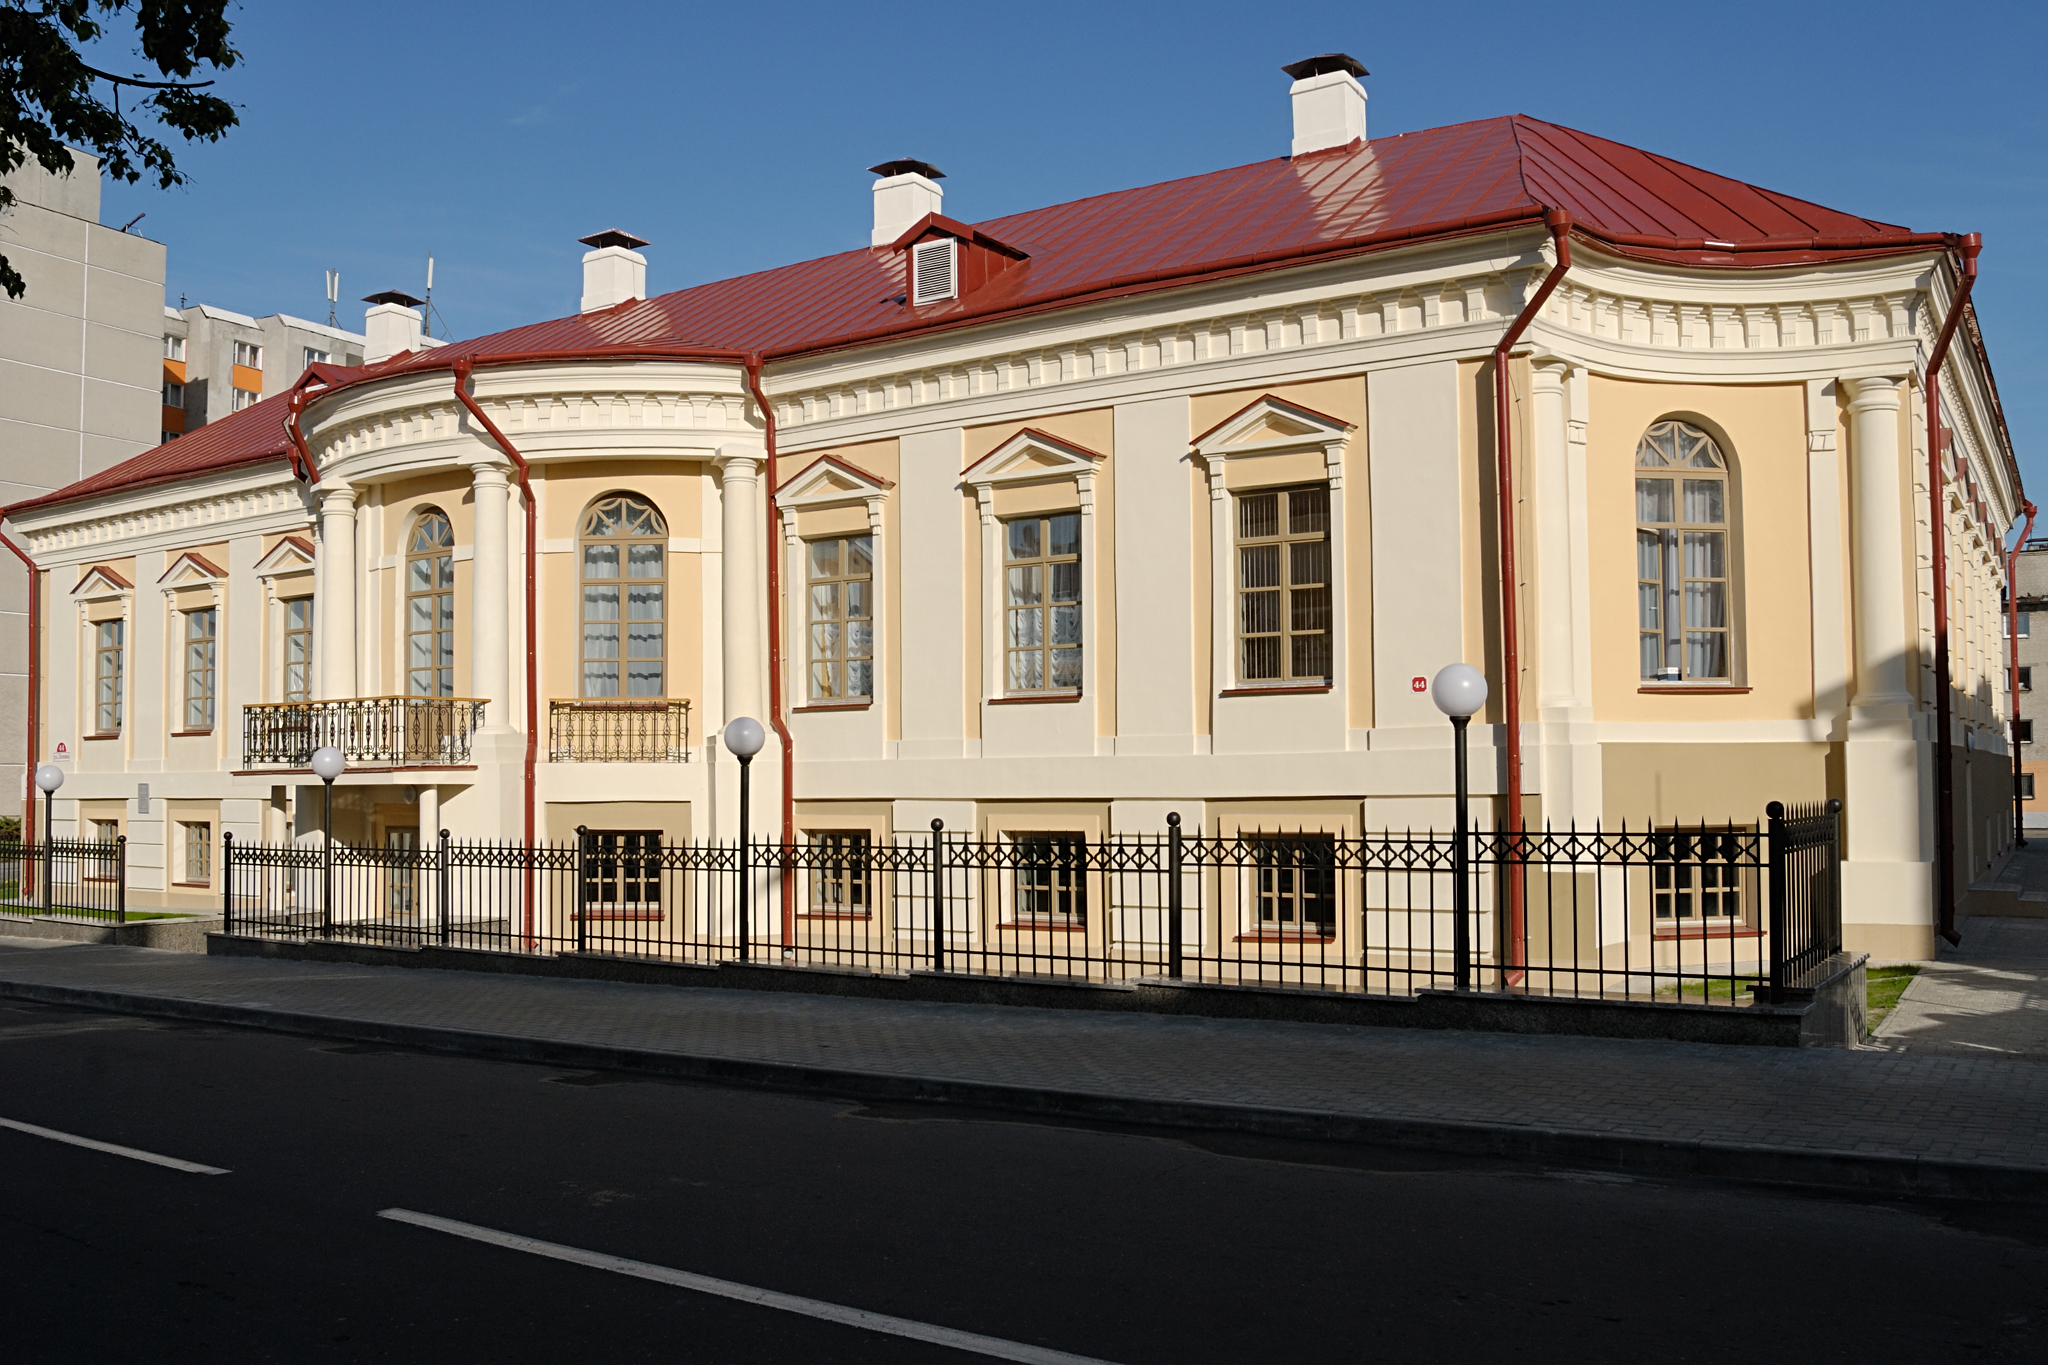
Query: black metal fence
x=78, y=878
x=1704, y=914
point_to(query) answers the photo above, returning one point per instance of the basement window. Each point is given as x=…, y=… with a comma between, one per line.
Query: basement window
x=932, y=273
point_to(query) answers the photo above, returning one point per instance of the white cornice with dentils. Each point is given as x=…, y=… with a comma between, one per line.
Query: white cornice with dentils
x=259, y=500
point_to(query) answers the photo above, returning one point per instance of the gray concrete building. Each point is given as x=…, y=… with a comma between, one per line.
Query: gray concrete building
x=2030, y=583
x=217, y=361
x=78, y=367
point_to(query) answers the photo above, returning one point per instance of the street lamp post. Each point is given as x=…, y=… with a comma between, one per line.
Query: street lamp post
x=328, y=764
x=744, y=737
x=49, y=777
x=1459, y=691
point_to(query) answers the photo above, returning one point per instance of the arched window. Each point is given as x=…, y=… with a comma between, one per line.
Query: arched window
x=1683, y=503
x=624, y=555
x=430, y=607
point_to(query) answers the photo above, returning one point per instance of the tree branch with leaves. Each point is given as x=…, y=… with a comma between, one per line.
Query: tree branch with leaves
x=52, y=100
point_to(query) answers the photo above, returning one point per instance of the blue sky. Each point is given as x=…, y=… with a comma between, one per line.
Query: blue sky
x=734, y=136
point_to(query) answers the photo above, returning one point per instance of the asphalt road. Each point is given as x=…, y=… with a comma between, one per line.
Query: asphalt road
x=1119, y=1245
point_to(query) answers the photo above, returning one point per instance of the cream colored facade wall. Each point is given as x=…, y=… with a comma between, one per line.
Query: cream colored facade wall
x=1390, y=353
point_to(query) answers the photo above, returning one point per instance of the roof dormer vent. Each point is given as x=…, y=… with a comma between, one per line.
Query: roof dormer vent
x=934, y=276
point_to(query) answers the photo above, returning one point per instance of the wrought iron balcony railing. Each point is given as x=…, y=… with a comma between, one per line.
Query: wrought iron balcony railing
x=384, y=731
x=619, y=730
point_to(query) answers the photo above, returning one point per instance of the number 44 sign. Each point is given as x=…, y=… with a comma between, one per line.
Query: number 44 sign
x=1418, y=684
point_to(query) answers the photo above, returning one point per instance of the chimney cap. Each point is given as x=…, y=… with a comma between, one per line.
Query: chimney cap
x=613, y=237
x=905, y=166
x=1324, y=64
x=397, y=296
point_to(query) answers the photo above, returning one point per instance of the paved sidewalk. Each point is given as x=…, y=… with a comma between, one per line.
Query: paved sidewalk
x=1924, y=1123
x=1988, y=995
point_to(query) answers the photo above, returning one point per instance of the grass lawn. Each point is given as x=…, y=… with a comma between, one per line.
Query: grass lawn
x=1719, y=989
x=1887, y=984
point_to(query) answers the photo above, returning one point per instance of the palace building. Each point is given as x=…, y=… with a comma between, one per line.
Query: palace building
x=1166, y=499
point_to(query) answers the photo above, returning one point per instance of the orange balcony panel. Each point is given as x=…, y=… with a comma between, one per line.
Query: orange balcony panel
x=174, y=419
x=246, y=378
x=174, y=371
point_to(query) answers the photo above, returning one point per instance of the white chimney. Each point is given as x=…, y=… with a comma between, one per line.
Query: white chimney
x=613, y=271
x=1329, y=103
x=906, y=193
x=392, y=325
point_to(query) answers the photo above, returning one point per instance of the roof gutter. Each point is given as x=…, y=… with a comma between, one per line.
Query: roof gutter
x=1937, y=526
x=462, y=378
x=2012, y=676
x=775, y=698
x=35, y=635
x=1560, y=224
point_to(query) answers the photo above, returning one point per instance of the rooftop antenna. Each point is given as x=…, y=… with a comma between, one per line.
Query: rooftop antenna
x=427, y=312
x=333, y=294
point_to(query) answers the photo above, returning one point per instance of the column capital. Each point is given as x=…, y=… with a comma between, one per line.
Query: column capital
x=336, y=497
x=740, y=460
x=1549, y=371
x=1873, y=393
x=490, y=474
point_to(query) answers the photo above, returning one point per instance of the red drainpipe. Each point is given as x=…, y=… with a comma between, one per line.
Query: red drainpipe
x=462, y=372
x=2012, y=676
x=35, y=634
x=303, y=468
x=1560, y=223
x=1937, y=525
x=775, y=700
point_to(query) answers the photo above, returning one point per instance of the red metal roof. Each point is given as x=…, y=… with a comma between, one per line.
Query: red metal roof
x=1435, y=183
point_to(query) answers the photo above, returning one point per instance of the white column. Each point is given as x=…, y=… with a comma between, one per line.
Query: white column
x=740, y=608
x=490, y=598
x=1879, y=540
x=336, y=603
x=1568, y=747
x=1550, y=494
x=1828, y=554
x=1887, y=768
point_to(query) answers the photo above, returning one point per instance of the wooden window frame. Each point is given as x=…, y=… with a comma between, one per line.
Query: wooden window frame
x=1672, y=589
x=1282, y=884
x=1058, y=874
x=842, y=881
x=201, y=672
x=608, y=863
x=204, y=844
x=1047, y=563
x=303, y=635
x=622, y=622
x=439, y=555
x=1290, y=631
x=841, y=615
x=110, y=666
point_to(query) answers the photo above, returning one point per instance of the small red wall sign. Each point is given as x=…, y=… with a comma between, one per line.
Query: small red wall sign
x=1418, y=685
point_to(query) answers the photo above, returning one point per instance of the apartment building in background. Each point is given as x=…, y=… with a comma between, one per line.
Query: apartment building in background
x=2030, y=586
x=217, y=362
x=77, y=380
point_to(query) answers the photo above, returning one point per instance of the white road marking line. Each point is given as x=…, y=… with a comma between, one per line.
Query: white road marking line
x=744, y=1293
x=115, y=1148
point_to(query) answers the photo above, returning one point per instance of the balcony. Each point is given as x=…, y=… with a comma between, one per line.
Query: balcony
x=619, y=730
x=377, y=732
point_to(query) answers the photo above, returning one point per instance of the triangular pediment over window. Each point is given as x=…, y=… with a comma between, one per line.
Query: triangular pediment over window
x=829, y=482
x=293, y=554
x=191, y=570
x=1270, y=424
x=1032, y=455
x=101, y=581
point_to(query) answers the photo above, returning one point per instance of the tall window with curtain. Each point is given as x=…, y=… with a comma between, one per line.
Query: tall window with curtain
x=430, y=607
x=109, y=651
x=1042, y=603
x=624, y=557
x=1683, y=504
x=298, y=649
x=201, y=659
x=842, y=618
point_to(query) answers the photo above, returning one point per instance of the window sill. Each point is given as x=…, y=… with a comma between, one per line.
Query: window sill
x=1288, y=690
x=1695, y=689
x=1694, y=931
x=191, y=734
x=1047, y=926
x=832, y=706
x=194, y=886
x=1034, y=698
x=111, y=734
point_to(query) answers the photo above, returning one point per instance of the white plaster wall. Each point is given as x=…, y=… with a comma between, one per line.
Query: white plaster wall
x=1417, y=609
x=934, y=648
x=1157, y=676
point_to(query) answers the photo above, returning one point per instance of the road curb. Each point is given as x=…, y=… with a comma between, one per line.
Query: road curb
x=1860, y=1172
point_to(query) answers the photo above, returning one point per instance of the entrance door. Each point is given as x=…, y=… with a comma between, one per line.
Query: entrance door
x=402, y=867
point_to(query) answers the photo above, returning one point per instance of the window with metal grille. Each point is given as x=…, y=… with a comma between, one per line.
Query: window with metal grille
x=109, y=663
x=1294, y=884
x=1042, y=603
x=841, y=880
x=298, y=649
x=842, y=618
x=201, y=652
x=1682, y=588
x=430, y=608
x=931, y=271
x=625, y=598
x=1697, y=875
x=1283, y=585
x=1050, y=884
x=622, y=871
